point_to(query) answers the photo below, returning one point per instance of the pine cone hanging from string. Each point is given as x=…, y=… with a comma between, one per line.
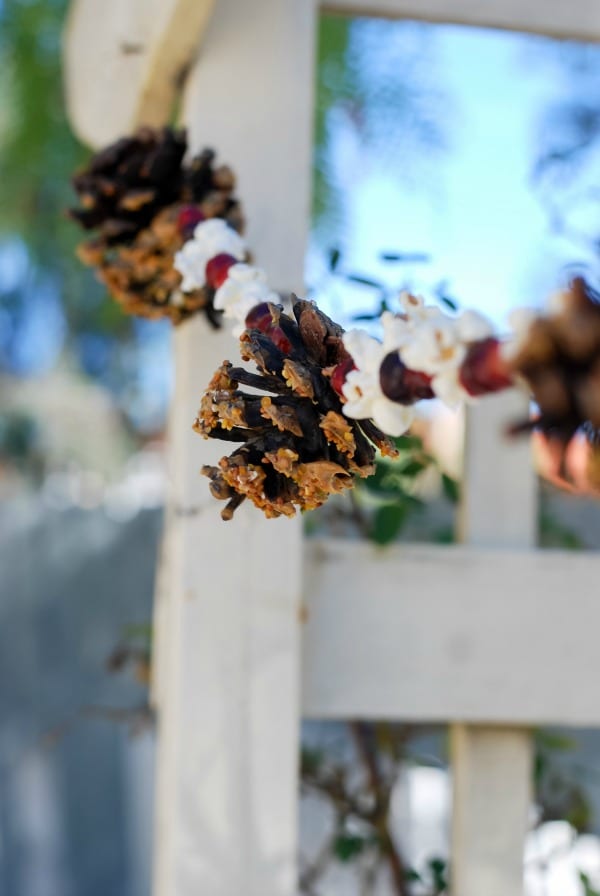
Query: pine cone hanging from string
x=559, y=357
x=295, y=446
x=144, y=203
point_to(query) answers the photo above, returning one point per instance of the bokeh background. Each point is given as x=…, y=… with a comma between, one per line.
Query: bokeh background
x=455, y=161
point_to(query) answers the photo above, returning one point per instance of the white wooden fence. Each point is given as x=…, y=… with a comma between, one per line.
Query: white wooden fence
x=476, y=635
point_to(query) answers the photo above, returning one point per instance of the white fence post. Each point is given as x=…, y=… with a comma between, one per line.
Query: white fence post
x=492, y=766
x=227, y=688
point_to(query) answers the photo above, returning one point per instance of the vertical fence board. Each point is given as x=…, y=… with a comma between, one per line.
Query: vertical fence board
x=227, y=689
x=492, y=767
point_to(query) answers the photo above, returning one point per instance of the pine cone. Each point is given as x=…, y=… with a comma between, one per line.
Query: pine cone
x=144, y=204
x=125, y=184
x=559, y=357
x=295, y=445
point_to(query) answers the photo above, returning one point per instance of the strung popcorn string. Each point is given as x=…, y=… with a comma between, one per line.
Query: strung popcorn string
x=315, y=381
x=213, y=258
x=167, y=243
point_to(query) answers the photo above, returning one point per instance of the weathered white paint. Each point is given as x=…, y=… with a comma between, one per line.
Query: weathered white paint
x=579, y=19
x=227, y=707
x=125, y=62
x=228, y=691
x=251, y=97
x=491, y=802
x=499, y=499
x=429, y=633
x=492, y=774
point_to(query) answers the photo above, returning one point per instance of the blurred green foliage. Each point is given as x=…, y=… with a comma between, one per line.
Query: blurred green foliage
x=38, y=154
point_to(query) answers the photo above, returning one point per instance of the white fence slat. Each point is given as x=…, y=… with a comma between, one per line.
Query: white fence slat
x=500, y=509
x=228, y=692
x=429, y=633
x=251, y=96
x=499, y=500
x=124, y=62
x=227, y=717
x=491, y=802
x=579, y=19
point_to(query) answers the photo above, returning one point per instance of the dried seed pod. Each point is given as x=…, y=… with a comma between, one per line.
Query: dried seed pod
x=127, y=183
x=143, y=203
x=558, y=356
x=296, y=446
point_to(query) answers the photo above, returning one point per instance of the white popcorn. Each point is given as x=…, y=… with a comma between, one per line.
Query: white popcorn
x=211, y=238
x=362, y=388
x=245, y=287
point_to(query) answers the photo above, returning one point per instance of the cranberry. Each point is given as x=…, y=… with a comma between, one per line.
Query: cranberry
x=400, y=384
x=260, y=317
x=188, y=218
x=484, y=369
x=265, y=317
x=278, y=338
x=217, y=269
x=339, y=374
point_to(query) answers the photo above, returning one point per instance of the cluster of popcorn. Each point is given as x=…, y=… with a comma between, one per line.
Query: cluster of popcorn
x=425, y=353
x=143, y=204
x=295, y=447
x=214, y=258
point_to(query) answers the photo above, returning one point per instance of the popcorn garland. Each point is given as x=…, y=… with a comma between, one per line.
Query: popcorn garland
x=144, y=203
x=168, y=244
x=348, y=386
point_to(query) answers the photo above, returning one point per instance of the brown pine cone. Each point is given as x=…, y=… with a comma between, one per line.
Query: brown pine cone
x=295, y=445
x=127, y=183
x=559, y=357
x=144, y=204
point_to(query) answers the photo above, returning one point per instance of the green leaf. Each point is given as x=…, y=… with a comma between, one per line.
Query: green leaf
x=451, y=488
x=334, y=258
x=348, y=847
x=579, y=815
x=142, y=630
x=387, y=522
x=408, y=443
x=364, y=281
x=437, y=867
x=311, y=760
x=406, y=257
x=412, y=468
x=444, y=535
x=552, y=740
x=450, y=303
x=588, y=890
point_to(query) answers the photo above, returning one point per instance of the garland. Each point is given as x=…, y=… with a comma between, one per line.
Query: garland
x=170, y=244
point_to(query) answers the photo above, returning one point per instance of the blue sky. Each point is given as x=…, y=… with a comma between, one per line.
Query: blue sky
x=476, y=215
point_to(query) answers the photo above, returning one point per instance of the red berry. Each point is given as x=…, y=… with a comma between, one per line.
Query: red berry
x=278, y=338
x=260, y=318
x=400, y=384
x=484, y=369
x=217, y=269
x=339, y=374
x=265, y=317
x=188, y=218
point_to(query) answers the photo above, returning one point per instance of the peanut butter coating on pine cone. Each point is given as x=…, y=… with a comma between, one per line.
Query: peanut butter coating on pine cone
x=143, y=203
x=295, y=446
